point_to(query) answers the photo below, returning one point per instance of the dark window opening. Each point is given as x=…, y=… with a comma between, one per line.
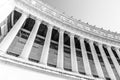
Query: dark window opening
x=13, y=54
x=52, y=65
x=96, y=48
x=16, y=16
x=42, y=30
x=118, y=61
x=100, y=58
x=79, y=53
x=110, y=60
x=55, y=36
x=114, y=52
x=52, y=58
x=77, y=43
x=12, y=19
x=106, y=51
x=9, y=22
x=82, y=73
x=24, y=34
x=108, y=56
x=67, y=53
x=90, y=57
x=29, y=24
x=54, y=46
x=33, y=60
x=66, y=39
x=96, y=76
x=67, y=69
x=67, y=50
x=108, y=78
x=87, y=46
x=39, y=40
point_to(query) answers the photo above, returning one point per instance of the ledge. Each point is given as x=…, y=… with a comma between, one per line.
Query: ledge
x=42, y=67
x=73, y=22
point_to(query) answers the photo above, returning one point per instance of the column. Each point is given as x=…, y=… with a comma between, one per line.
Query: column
x=96, y=60
x=3, y=24
x=6, y=42
x=60, y=58
x=85, y=58
x=3, y=29
x=12, y=18
x=45, y=51
x=115, y=62
x=74, y=63
x=28, y=46
x=106, y=62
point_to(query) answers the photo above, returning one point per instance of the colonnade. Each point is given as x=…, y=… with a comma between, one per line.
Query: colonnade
x=7, y=41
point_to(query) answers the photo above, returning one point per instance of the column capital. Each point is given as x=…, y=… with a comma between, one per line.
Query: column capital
x=81, y=38
x=116, y=48
x=90, y=41
x=100, y=44
x=25, y=14
x=71, y=34
x=108, y=46
x=38, y=20
x=61, y=30
x=50, y=26
x=94, y=42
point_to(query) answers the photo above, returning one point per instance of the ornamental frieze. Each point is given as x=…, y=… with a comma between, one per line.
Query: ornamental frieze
x=47, y=9
x=62, y=20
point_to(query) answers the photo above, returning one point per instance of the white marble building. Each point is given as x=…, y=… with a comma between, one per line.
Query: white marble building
x=37, y=37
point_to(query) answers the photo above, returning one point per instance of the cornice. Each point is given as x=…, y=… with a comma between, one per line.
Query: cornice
x=74, y=22
x=51, y=14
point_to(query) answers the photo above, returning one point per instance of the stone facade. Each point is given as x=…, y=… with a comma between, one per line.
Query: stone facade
x=38, y=36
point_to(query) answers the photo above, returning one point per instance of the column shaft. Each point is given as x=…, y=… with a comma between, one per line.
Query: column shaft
x=115, y=62
x=6, y=42
x=74, y=63
x=45, y=51
x=96, y=61
x=85, y=58
x=28, y=46
x=60, y=58
x=12, y=18
x=3, y=30
x=107, y=64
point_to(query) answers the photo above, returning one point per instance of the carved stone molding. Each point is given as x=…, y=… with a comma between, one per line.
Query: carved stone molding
x=40, y=9
x=71, y=21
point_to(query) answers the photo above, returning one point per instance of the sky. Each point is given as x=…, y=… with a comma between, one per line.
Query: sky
x=101, y=13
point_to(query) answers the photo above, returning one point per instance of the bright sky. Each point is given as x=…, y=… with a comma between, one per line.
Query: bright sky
x=102, y=13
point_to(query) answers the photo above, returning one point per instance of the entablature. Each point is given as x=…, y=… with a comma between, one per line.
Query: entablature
x=49, y=14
